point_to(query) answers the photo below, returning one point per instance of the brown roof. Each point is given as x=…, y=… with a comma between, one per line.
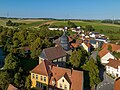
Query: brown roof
x=74, y=77
x=75, y=45
x=43, y=68
x=103, y=52
x=115, y=47
x=70, y=39
x=54, y=52
x=11, y=87
x=79, y=41
x=87, y=44
x=117, y=84
x=113, y=63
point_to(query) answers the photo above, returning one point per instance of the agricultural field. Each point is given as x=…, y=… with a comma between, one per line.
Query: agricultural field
x=111, y=30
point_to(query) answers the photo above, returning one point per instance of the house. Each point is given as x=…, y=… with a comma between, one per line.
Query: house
x=117, y=84
x=113, y=67
x=48, y=76
x=87, y=46
x=11, y=87
x=55, y=55
x=60, y=29
x=94, y=43
x=105, y=55
x=115, y=47
x=75, y=45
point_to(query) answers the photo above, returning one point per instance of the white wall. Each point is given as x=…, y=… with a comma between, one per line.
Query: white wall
x=60, y=81
x=106, y=57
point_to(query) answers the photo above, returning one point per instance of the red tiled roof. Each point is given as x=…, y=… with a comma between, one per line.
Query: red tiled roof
x=11, y=87
x=117, y=84
x=70, y=39
x=79, y=41
x=113, y=63
x=75, y=45
x=87, y=44
x=115, y=47
x=103, y=52
x=74, y=77
x=43, y=68
x=54, y=52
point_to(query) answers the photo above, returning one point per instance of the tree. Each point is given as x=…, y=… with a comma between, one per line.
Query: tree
x=36, y=48
x=109, y=48
x=17, y=79
x=9, y=23
x=71, y=24
x=89, y=28
x=75, y=58
x=11, y=62
x=4, y=80
x=28, y=83
x=92, y=67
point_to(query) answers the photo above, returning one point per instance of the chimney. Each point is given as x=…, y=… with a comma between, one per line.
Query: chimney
x=71, y=70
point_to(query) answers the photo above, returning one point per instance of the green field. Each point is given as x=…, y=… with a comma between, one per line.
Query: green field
x=107, y=29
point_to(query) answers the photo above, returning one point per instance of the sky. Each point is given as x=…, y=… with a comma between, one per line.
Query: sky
x=61, y=9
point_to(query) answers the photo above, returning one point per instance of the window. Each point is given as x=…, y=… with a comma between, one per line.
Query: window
x=36, y=77
x=32, y=75
x=65, y=87
x=44, y=79
x=63, y=80
x=60, y=85
x=41, y=78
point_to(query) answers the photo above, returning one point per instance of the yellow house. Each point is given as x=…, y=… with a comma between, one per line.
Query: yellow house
x=47, y=76
x=86, y=46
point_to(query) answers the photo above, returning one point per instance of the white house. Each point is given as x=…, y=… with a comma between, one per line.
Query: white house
x=113, y=67
x=60, y=29
x=105, y=55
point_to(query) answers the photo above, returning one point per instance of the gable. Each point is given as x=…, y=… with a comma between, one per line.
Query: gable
x=107, y=56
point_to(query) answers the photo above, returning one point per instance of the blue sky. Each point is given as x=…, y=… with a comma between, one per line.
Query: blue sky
x=76, y=9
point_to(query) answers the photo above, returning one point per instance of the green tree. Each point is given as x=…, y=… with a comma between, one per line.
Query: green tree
x=109, y=48
x=36, y=48
x=17, y=79
x=92, y=67
x=28, y=83
x=89, y=28
x=71, y=24
x=75, y=58
x=4, y=80
x=9, y=23
x=11, y=62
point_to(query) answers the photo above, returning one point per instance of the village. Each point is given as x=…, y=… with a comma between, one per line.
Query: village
x=54, y=73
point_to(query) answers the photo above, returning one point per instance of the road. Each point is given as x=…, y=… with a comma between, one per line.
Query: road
x=94, y=54
x=106, y=84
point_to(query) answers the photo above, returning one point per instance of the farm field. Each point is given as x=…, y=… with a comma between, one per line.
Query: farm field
x=110, y=30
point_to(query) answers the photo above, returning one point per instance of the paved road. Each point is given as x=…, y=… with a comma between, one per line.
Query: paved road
x=106, y=84
x=94, y=54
